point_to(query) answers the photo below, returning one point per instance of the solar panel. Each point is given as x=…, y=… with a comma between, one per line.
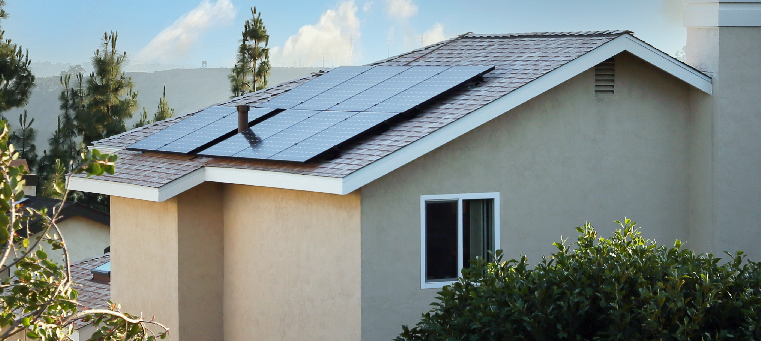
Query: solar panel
x=214, y=132
x=182, y=128
x=430, y=88
x=331, y=137
x=292, y=135
x=351, y=87
x=315, y=87
x=388, y=88
x=261, y=131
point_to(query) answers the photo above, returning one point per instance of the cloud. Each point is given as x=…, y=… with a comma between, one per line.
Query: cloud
x=333, y=40
x=367, y=6
x=434, y=34
x=401, y=9
x=176, y=40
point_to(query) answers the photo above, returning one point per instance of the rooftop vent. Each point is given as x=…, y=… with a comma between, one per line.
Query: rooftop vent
x=102, y=273
x=605, y=74
x=242, y=118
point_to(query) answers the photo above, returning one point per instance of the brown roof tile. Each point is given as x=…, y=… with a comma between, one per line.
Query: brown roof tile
x=518, y=58
x=92, y=295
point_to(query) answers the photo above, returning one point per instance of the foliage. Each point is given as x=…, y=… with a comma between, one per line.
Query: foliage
x=110, y=99
x=24, y=137
x=622, y=288
x=162, y=112
x=16, y=78
x=37, y=299
x=253, y=61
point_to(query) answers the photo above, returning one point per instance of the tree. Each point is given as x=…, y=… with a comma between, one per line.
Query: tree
x=24, y=137
x=110, y=99
x=253, y=61
x=621, y=288
x=63, y=143
x=16, y=78
x=164, y=111
x=37, y=298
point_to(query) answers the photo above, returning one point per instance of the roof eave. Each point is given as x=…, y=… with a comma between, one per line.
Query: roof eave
x=414, y=150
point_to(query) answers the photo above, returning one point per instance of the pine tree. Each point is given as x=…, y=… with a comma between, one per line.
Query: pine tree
x=144, y=120
x=23, y=138
x=110, y=99
x=164, y=111
x=15, y=72
x=253, y=62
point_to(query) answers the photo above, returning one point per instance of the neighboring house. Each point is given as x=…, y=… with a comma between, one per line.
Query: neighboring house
x=569, y=127
x=85, y=230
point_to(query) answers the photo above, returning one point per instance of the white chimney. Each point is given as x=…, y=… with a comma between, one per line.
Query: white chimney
x=724, y=40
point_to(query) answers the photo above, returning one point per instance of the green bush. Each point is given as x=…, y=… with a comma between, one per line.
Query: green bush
x=622, y=288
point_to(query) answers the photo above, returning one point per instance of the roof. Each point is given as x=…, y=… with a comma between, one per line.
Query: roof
x=70, y=209
x=526, y=65
x=92, y=295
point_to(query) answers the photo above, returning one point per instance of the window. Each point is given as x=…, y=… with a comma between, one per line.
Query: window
x=455, y=229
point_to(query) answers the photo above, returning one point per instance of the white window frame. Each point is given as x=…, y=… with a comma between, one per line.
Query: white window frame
x=451, y=197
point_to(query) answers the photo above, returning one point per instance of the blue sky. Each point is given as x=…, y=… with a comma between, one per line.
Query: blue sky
x=175, y=33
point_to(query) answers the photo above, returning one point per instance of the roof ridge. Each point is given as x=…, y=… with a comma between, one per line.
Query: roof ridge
x=547, y=34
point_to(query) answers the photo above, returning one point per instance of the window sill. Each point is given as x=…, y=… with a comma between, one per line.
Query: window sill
x=436, y=284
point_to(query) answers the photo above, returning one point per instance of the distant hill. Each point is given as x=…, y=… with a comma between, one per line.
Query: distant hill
x=186, y=90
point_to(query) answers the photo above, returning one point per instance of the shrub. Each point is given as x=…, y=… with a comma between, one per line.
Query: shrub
x=622, y=288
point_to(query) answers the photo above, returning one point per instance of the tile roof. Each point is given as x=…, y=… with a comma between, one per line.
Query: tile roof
x=92, y=295
x=518, y=58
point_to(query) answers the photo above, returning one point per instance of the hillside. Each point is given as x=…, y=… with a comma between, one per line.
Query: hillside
x=186, y=90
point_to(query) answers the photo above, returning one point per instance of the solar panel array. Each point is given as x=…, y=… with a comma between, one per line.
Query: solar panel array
x=313, y=118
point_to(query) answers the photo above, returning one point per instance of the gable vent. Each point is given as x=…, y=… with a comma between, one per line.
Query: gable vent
x=605, y=74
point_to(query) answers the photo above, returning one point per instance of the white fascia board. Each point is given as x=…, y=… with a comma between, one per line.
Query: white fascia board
x=159, y=194
x=301, y=182
x=522, y=95
x=418, y=148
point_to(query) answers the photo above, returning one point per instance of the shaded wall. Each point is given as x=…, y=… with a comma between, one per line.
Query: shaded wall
x=563, y=158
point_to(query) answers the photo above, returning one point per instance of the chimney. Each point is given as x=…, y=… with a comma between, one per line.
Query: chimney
x=724, y=40
x=242, y=118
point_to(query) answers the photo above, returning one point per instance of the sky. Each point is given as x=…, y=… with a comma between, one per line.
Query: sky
x=173, y=33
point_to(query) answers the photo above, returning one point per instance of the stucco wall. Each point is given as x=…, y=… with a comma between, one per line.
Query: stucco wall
x=292, y=265
x=732, y=55
x=144, y=258
x=85, y=238
x=559, y=160
x=167, y=261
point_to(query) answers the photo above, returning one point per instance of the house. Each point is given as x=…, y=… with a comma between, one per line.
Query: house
x=568, y=127
x=85, y=230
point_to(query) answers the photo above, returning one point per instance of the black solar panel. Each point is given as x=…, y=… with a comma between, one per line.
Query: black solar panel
x=214, y=132
x=430, y=88
x=388, y=88
x=315, y=87
x=292, y=135
x=331, y=137
x=351, y=87
x=261, y=131
x=181, y=129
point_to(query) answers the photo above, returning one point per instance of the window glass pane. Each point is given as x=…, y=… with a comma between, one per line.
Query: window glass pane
x=477, y=229
x=441, y=240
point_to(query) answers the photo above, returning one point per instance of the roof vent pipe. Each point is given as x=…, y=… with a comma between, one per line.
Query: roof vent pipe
x=242, y=118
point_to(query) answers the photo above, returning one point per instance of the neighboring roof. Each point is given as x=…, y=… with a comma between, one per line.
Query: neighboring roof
x=92, y=295
x=526, y=66
x=70, y=209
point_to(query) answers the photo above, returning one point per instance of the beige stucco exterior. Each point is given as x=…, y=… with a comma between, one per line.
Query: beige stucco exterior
x=561, y=159
x=85, y=238
x=232, y=262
